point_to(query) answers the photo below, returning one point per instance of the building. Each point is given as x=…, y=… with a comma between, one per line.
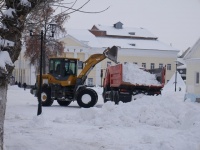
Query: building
x=192, y=60
x=181, y=64
x=23, y=71
x=137, y=45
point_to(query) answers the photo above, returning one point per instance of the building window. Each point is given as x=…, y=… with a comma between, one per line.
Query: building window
x=160, y=65
x=125, y=62
x=90, y=81
x=108, y=63
x=135, y=63
x=80, y=65
x=152, y=65
x=197, y=77
x=144, y=65
x=168, y=66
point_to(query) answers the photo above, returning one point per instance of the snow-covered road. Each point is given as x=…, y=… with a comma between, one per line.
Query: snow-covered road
x=163, y=122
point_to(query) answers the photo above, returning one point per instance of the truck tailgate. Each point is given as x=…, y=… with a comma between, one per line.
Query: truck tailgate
x=115, y=75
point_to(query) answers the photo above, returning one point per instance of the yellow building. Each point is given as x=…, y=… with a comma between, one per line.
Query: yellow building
x=136, y=45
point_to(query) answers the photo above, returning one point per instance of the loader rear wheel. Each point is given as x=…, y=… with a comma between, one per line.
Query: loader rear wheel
x=63, y=103
x=46, y=96
x=87, y=98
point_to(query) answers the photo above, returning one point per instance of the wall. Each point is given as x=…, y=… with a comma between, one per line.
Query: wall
x=193, y=89
x=23, y=71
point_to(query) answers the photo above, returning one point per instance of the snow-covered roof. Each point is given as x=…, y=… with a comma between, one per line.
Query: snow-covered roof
x=86, y=37
x=182, y=62
x=191, y=51
x=126, y=31
x=134, y=43
x=182, y=66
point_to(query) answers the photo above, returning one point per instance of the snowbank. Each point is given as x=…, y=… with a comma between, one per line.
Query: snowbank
x=164, y=122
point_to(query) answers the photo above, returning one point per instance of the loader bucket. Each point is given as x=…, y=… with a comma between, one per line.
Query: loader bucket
x=111, y=53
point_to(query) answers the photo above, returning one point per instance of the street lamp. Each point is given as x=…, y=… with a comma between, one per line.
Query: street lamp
x=52, y=27
x=176, y=75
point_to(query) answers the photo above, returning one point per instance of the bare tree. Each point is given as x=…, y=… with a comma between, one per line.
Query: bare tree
x=42, y=18
x=13, y=16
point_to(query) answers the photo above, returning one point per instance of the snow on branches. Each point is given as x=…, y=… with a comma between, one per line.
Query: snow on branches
x=9, y=12
x=5, y=60
x=25, y=3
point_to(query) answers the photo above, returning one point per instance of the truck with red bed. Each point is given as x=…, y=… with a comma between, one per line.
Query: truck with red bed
x=115, y=89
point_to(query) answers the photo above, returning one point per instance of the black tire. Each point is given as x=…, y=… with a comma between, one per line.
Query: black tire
x=46, y=96
x=104, y=95
x=112, y=94
x=91, y=101
x=116, y=97
x=63, y=103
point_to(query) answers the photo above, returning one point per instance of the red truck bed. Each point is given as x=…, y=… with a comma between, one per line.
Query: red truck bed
x=114, y=77
x=115, y=89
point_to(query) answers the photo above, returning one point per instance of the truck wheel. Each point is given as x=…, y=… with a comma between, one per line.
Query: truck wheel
x=112, y=95
x=87, y=98
x=116, y=97
x=46, y=97
x=104, y=98
x=104, y=95
x=63, y=103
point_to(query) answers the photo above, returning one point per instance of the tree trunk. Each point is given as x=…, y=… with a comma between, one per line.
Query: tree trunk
x=3, y=100
x=12, y=31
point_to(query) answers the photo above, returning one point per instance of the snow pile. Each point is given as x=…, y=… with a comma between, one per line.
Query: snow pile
x=5, y=59
x=180, y=84
x=167, y=117
x=155, y=111
x=133, y=74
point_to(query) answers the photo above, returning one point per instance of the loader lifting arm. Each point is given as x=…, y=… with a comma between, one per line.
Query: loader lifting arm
x=110, y=53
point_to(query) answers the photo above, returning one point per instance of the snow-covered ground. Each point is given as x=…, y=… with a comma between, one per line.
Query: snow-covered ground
x=164, y=122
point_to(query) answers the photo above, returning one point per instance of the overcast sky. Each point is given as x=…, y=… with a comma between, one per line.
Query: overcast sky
x=175, y=22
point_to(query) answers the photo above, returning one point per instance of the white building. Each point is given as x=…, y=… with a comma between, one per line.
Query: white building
x=192, y=60
x=23, y=71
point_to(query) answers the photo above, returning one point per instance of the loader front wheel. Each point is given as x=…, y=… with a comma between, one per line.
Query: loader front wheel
x=46, y=96
x=87, y=98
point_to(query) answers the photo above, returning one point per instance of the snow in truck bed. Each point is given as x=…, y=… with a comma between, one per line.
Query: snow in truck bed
x=133, y=74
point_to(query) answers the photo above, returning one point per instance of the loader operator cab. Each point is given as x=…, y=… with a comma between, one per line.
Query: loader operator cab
x=62, y=68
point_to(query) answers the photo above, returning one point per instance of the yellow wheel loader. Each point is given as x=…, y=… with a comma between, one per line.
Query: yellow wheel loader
x=64, y=85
